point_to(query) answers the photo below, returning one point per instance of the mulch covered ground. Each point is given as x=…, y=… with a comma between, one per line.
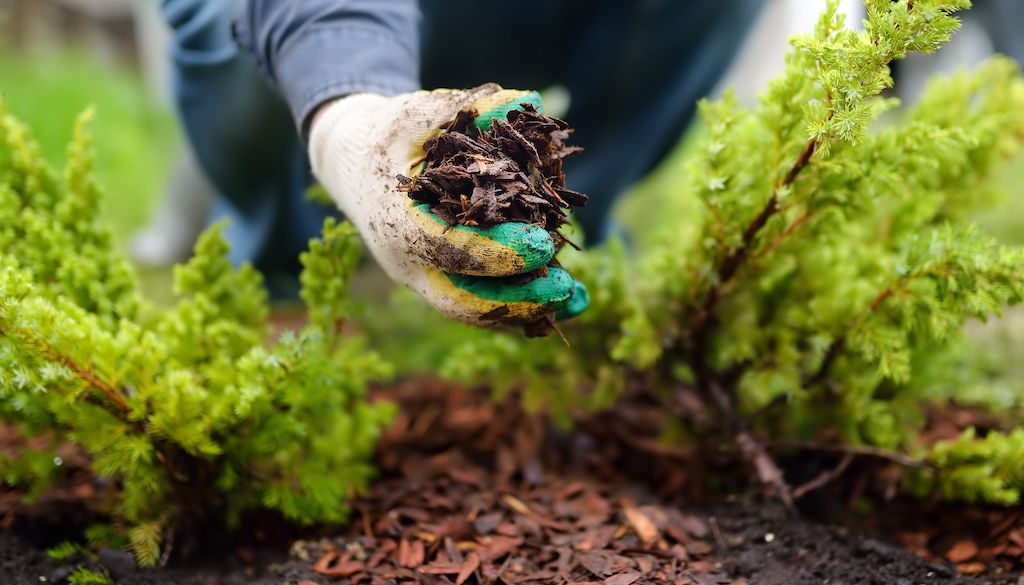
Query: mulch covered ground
x=473, y=492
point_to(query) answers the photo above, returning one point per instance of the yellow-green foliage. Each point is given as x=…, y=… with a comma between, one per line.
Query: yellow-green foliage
x=189, y=411
x=834, y=264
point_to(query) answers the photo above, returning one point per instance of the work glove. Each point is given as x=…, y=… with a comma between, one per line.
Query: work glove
x=359, y=143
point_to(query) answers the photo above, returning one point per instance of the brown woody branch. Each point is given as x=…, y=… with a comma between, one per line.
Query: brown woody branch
x=708, y=381
x=824, y=478
x=83, y=373
x=831, y=355
x=839, y=344
x=856, y=450
x=727, y=269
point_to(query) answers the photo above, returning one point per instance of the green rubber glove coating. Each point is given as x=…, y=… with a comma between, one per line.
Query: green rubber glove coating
x=567, y=296
x=532, y=243
x=483, y=121
x=577, y=303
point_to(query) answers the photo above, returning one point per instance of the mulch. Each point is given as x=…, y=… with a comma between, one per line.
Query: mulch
x=470, y=497
x=478, y=492
x=511, y=172
x=472, y=491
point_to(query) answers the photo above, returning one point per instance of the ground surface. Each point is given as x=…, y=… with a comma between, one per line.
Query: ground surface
x=477, y=493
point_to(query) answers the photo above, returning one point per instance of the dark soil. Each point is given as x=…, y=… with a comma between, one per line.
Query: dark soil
x=473, y=492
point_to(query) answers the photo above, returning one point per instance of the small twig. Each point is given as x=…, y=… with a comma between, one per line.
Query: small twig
x=723, y=544
x=831, y=355
x=768, y=471
x=839, y=343
x=778, y=240
x=554, y=326
x=751, y=450
x=878, y=300
x=858, y=450
x=824, y=478
x=165, y=555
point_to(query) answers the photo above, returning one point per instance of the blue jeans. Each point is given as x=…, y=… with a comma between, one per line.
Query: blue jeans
x=634, y=71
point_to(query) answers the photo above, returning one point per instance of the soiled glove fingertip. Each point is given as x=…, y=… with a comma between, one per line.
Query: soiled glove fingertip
x=530, y=243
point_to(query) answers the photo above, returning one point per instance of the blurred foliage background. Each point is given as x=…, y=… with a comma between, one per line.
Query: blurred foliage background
x=134, y=135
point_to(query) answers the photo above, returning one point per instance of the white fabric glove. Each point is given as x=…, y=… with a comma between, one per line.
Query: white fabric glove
x=358, y=144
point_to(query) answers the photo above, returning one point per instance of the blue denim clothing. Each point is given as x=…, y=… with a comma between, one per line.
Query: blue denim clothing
x=634, y=71
x=1002, y=20
x=243, y=137
x=314, y=50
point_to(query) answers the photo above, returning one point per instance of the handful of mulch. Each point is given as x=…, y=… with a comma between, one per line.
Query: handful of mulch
x=511, y=173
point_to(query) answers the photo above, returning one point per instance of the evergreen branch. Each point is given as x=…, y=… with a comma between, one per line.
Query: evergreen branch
x=83, y=373
x=786, y=233
x=701, y=322
x=835, y=349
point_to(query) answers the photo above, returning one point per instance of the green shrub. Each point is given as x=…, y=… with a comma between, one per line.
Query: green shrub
x=187, y=410
x=821, y=292
x=83, y=576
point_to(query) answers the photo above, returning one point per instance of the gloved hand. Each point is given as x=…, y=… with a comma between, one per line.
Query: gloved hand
x=360, y=142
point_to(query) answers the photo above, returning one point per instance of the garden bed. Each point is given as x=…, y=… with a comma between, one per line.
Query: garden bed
x=477, y=492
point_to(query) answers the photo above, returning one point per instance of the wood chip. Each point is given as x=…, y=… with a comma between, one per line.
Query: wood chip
x=963, y=550
x=469, y=566
x=517, y=505
x=970, y=568
x=641, y=524
x=624, y=578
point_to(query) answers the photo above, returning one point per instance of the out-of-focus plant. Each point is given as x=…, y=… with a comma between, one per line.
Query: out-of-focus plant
x=187, y=410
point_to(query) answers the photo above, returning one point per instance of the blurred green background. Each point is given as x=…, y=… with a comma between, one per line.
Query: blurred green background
x=134, y=136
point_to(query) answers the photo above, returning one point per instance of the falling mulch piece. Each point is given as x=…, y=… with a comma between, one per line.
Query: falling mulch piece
x=510, y=173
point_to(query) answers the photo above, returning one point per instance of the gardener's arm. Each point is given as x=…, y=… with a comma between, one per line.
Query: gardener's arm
x=316, y=50
x=349, y=71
